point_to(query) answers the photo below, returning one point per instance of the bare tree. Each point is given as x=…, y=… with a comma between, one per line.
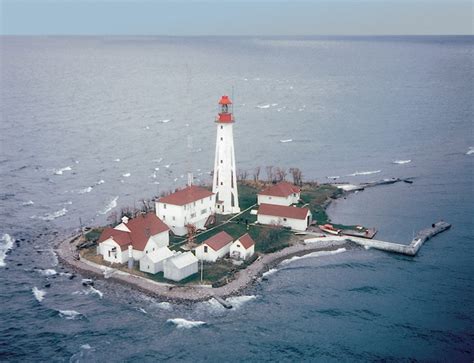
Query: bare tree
x=297, y=176
x=242, y=174
x=269, y=170
x=256, y=173
x=280, y=174
x=112, y=218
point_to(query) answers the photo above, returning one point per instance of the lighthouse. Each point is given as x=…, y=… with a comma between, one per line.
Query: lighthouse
x=225, y=180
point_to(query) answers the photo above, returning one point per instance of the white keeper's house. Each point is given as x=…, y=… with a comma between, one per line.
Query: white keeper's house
x=282, y=193
x=243, y=247
x=215, y=247
x=296, y=218
x=133, y=238
x=191, y=205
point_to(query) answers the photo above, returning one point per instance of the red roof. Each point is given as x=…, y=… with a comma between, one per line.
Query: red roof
x=246, y=241
x=282, y=189
x=219, y=240
x=141, y=228
x=186, y=195
x=144, y=226
x=225, y=100
x=282, y=211
x=122, y=238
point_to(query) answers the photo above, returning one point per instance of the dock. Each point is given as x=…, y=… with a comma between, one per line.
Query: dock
x=409, y=250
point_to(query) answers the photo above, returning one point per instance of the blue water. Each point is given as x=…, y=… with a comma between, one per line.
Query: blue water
x=349, y=105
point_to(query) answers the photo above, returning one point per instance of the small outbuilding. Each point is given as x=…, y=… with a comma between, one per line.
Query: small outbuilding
x=243, y=248
x=282, y=193
x=180, y=266
x=295, y=218
x=215, y=247
x=153, y=262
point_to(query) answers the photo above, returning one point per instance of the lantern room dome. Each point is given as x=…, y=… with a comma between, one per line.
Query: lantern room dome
x=225, y=100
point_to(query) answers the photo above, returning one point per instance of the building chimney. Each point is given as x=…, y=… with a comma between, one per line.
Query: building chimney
x=124, y=219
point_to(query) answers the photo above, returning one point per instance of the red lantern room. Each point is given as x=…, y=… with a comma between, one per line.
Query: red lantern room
x=225, y=115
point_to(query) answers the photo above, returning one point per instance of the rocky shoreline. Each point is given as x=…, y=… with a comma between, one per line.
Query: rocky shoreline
x=244, y=279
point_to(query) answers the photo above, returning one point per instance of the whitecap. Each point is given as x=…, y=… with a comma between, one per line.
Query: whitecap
x=39, y=294
x=333, y=177
x=185, y=324
x=365, y=172
x=111, y=205
x=238, y=301
x=47, y=272
x=117, y=160
x=101, y=181
x=62, y=170
x=167, y=166
x=400, y=162
x=147, y=127
x=269, y=272
x=142, y=310
x=274, y=104
x=156, y=169
x=70, y=314
x=164, y=305
x=165, y=121
x=52, y=216
x=30, y=202
x=126, y=175
x=95, y=291
x=69, y=202
x=6, y=244
x=470, y=151
x=286, y=140
x=86, y=346
x=263, y=106
x=85, y=190
x=311, y=255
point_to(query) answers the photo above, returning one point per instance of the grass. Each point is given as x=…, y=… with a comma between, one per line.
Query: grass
x=316, y=196
x=94, y=234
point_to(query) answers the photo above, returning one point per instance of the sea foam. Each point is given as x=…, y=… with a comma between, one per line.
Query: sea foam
x=70, y=314
x=6, y=244
x=269, y=272
x=47, y=272
x=111, y=205
x=401, y=162
x=52, y=216
x=470, y=151
x=239, y=301
x=62, y=170
x=313, y=254
x=38, y=294
x=185, y=324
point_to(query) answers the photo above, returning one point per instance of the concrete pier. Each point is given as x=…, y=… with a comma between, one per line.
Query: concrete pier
x=410, y=250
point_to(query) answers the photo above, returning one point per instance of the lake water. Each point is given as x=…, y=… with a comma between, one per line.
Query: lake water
x=93, y=124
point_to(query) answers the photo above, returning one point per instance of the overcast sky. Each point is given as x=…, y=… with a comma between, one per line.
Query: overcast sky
x=237, y=17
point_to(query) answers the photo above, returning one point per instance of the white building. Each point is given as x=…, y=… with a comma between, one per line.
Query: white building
x=136, y=237
x=215, y=247
x=243, y=248
x=296, y=218
x=191, y=205
x=280, y=194
x=153, y=262
x=225, y=179
x=180, y=266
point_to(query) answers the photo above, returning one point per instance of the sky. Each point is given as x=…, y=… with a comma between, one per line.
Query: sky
x=236, y=17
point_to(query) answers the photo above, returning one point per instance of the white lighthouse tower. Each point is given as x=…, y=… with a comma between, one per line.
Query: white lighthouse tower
x=225, y=179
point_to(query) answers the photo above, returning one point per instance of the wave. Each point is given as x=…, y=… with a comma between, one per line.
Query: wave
x=6, y=244
x=165, y=121
x=70, y=314
x=101, y=181
x=401, y=162
x=39, y=294
x=185, y=324
x=470, y=151
x=164, y=305
x=30, y=202
x=85, y=190
x=286, y=140
x=117, y=160
x=111, y=205
x=126, y=175
x=333, y=177
x=95, y=291
x=263, y=106
x=47, y=272
x=269, y=272
x=311, y=255
x=62, y=170
x=238, y=301
x=52, y=216
x=365, y=172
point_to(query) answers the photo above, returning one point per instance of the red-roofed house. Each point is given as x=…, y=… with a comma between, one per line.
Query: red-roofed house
x=282, y=193
x=243, y=247
x=142, y=235
x=191, y=205
x=296, y=218
x=215, y=247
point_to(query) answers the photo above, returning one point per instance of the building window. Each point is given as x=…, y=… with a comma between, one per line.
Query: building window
x=222, y=127
x=222, y=183
x=146, y=252
x=222, y=139
x=269, y=197
x=193, y=215
x=153, y=248
x=204, y=211
x=194, y=204
x=109, y=253
x=164, y=206
x=210, y=198
x=164, y=217
x=205, y=249
x=284, y=219
x=238, y=246
x=202, y=201
x=174, y=218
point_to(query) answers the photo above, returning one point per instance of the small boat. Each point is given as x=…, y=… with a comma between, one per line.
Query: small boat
x=328, y=228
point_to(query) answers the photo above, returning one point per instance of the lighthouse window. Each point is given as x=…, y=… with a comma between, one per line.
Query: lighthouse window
x=174, y=218
x=222, y=139
x=222, y=161
x=222, y=183
x=222, y=127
